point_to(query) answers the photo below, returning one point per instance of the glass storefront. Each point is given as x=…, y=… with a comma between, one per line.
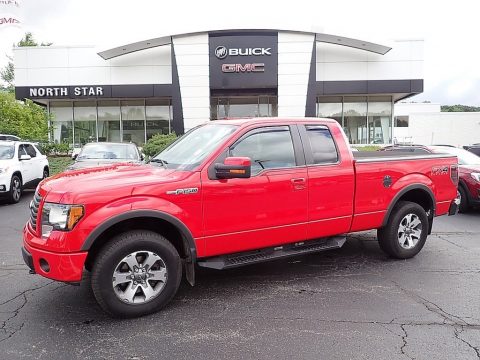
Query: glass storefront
x=365, y=120
x=109, y=120
x=242, y=106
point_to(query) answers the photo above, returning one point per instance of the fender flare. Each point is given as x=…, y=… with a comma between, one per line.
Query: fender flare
x=403, y=192
x=189, y=242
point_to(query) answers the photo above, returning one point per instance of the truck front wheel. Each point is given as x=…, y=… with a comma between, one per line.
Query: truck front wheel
x=136, y=273
x=405, y=232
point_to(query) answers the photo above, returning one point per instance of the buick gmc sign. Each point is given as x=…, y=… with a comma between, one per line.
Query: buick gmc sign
x=241, y=61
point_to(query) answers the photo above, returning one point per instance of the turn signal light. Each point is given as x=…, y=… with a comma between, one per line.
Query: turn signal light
x=75, y=214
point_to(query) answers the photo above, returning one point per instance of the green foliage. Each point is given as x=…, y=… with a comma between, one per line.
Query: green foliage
x=158, y=143
x=8, y=74
x=367, y=148
x=54, y=149
x=24, y=119
x=459, y=108
x=58, y=164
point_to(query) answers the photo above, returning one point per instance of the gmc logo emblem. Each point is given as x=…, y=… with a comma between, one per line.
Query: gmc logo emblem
x=240, y=68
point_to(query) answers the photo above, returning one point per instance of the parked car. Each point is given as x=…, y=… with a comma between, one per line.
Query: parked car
x=469, y=172
x=4, y=137
x=22, y=165
x=475, y=148
x=106, y=153
x=227, y=194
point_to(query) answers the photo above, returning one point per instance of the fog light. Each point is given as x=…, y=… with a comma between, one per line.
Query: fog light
x=44, y=265
x=3, y=187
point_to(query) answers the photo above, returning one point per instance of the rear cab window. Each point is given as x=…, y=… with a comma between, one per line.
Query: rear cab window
x=322, y=145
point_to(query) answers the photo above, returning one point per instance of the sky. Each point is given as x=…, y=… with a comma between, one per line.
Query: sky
x=449, y=28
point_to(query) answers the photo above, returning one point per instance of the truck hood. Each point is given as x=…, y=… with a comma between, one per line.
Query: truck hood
x=84, y=164
x=118, y=178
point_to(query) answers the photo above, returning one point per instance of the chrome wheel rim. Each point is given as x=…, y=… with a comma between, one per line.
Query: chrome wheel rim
x=16, y=189
x=139, y=277
x=409, y=231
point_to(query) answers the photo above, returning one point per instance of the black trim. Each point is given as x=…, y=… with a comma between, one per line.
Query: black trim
x=308, y=147
x=244, y=92
x=100, y=229
x=177, y=121
x=408, y=86
x=311, y=103
x=108, y=91
x=28, y=259
x=297, y=146
x=403, y=192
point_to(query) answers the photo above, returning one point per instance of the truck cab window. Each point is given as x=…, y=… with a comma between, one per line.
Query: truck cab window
x=322, y=145
x=270, y=148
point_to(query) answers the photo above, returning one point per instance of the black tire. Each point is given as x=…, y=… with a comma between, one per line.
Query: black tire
x=46, y=173
x=464, y=205
x=106, y=262
x=16, y=188
x=389, y=236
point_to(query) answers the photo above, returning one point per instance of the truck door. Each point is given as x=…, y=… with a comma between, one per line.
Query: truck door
x=331, y=182
x=267, y=209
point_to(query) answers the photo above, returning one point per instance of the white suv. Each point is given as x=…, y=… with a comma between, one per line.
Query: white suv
x=21, y=165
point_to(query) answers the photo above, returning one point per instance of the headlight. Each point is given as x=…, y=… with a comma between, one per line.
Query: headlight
x=60, y=217
x=476, y=176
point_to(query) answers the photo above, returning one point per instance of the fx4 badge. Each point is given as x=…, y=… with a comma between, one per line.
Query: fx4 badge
x=440, y=170
x=183, y=191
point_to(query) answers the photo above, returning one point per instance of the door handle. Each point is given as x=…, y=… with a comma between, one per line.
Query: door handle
x=298, y=183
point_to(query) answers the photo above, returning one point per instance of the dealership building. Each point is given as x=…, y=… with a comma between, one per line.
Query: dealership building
x=174, y=83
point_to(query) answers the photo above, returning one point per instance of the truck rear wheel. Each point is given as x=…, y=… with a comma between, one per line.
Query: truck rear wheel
x=135, y=274
x=406, y=231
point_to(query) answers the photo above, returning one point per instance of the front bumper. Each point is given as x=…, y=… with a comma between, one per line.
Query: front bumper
x=56, y=266
x=4, y=183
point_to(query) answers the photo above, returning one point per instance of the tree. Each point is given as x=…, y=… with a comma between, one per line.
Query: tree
x=24, y=119
x=7, y=74
x=459, y=108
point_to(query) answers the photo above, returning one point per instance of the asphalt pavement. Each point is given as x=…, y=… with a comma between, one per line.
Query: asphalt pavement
x=352, y=303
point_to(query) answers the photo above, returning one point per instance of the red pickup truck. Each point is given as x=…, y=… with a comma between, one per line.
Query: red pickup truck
x=226, y=194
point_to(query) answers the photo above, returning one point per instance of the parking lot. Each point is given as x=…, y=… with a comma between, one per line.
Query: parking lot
x=350, y=303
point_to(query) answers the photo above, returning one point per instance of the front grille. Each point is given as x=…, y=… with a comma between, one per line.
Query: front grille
x=34, y=210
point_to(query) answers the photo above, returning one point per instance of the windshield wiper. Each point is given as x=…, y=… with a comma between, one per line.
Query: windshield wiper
x=160, y=161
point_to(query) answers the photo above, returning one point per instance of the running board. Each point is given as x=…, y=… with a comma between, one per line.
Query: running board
x=278, y=252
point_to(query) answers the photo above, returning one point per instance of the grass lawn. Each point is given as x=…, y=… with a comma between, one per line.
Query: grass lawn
x=59, y=163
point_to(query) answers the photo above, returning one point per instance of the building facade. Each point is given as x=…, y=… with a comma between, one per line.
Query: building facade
x=177, y=82
x=424, y=123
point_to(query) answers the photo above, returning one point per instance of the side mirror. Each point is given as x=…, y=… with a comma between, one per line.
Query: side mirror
x=25, y=157
x=74, y=156
x=233, y=168
x=142, y=156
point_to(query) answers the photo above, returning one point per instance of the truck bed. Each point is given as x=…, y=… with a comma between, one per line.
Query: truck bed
x=372, y=156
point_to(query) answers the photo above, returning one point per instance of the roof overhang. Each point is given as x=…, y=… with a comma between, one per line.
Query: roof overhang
x=166, y=40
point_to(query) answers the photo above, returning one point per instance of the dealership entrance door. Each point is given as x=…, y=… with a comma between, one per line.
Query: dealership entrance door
x=228, y=107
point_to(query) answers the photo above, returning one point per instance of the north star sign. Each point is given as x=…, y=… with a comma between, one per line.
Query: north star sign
x=64, y=91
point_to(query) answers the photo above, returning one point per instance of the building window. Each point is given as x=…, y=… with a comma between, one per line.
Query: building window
x=365, y=120
x=401, y=121
x=379, y=120
x=158, y=113
x=243, y=106
x=109, y=120
x=330, y=107
x=355, y=119
x=61, y=126
x=133, y=121
x=84, y=122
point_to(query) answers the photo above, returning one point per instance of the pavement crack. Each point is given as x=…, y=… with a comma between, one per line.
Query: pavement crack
x=405, y=343
x=434, y=308
x=457, y=335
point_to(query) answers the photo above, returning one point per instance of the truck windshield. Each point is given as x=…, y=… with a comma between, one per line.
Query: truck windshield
x=6, y=152
x=192, y=148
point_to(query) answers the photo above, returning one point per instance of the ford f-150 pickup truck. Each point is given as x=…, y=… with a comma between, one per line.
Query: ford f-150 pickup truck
x=226, y=194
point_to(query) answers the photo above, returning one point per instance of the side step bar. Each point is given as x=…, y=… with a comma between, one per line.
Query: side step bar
x=278, y=252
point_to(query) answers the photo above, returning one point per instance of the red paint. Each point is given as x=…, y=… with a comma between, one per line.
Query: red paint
x=274, y=207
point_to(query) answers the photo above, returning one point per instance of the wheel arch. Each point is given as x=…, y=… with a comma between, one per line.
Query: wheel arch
x=162, y=223
x=417, y=193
